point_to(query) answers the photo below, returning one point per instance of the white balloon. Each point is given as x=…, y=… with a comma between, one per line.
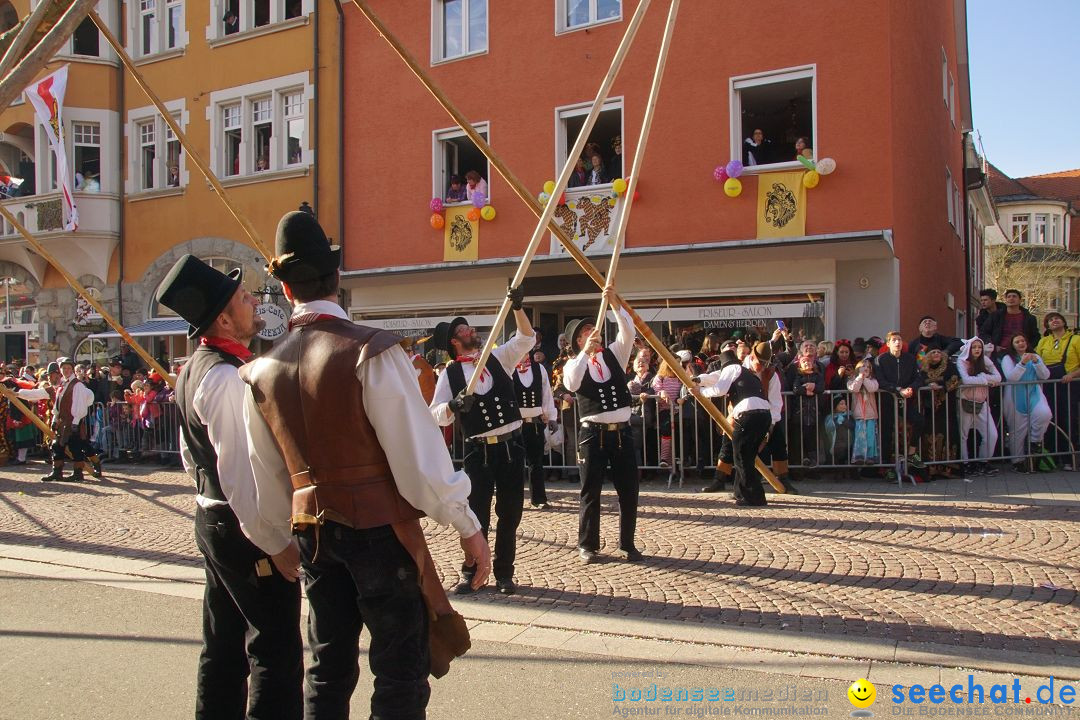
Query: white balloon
x=825, y=166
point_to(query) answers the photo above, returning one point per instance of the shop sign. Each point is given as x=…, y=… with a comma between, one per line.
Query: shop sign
x=277, y=322
x=733, y=313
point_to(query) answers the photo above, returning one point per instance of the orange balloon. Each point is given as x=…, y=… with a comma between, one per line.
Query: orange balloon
x=473, y=214
x=437, y=221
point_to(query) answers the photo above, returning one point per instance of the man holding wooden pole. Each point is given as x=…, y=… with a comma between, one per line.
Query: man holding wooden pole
x=491, y=424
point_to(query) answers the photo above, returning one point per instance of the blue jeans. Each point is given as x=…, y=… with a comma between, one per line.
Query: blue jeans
x=356, y=578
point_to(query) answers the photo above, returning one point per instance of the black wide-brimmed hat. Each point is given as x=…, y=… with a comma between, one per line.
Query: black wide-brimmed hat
x=197, y=292
x=444, y=331
x=571, y=332
x=301, y=250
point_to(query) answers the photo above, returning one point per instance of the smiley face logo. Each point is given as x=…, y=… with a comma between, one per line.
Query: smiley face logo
x=862, y=694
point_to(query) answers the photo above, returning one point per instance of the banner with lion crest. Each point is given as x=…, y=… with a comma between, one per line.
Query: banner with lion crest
x=589, y=219
x=781, y=205
x=462, y=235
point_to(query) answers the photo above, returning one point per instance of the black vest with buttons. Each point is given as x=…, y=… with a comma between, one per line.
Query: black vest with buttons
x=747, y=385
x=532, y=396
x=594, y=398
x=493, y=409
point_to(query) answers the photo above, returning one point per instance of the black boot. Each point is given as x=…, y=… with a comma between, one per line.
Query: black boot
x=95, y=462
x=77, y=475
x=717, y=485
x=56, y=475
x=789, y=487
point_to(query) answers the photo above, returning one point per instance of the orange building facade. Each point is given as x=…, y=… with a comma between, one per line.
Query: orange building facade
x=253, y=85
x=879, y=87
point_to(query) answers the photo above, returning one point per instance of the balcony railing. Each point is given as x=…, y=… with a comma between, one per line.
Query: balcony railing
x=99, y=213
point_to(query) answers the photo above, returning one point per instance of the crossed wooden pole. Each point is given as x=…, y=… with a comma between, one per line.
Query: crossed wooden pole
x=526, y=197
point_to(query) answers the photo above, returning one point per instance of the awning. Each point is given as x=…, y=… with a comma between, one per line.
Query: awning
x=150, y=328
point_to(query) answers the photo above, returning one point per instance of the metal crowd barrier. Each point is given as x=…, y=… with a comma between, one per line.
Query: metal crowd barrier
x=124, y=430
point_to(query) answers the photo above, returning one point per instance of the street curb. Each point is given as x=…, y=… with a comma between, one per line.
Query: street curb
x=762, y=650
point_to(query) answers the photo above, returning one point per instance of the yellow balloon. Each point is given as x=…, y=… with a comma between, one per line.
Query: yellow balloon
x=733, y=187
x=488, y=213
x=549, y=187
x=619, y=186
x=811, y=179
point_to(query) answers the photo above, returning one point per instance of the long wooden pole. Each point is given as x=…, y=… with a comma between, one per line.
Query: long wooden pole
x=22, y=39
x=41, y=54
x=78, y=287
x=526, y=197
x=639, y=154
x=18, y=403
x=196, y=158
x=560, y=184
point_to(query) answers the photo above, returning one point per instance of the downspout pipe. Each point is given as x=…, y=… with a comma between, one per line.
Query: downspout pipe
x=122, y=155
x=315, y=113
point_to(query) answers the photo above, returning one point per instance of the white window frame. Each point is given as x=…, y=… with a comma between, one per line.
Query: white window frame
x=945, y=77
x=1040, y=227
x=45, y=168
x=1054, y=231
x=740, y=82
x=105, y=53
x=215, y=31
x=162, y=135
x=1017, y=220
x=159, y=30
x=952, y=100
x=76, y=143
x=561, y=7
x=440, y=174
x=146, y=132
x=564, y=144
x=244, y=95
x=1067, y=291
x=950, y=211
x=958, y=203
x=438, y=52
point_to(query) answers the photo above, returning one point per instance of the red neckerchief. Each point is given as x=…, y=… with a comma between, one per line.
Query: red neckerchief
x=309, y=318
x=472, y=359
x=230, y=346
x=523, y=366
x=600, y=367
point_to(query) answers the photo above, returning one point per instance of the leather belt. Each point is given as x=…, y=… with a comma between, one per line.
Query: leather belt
x=605, y=426
x=495, y=439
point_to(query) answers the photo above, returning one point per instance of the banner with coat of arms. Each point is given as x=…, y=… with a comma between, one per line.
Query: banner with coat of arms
x=461, y=235
x=589, y=219
x=781, y=205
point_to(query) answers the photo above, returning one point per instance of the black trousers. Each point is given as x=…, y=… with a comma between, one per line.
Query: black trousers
x=748, y=431
x=497, y=471
x=532, y=436
x=251, y=626
x=776, y=448
x=893, y=407
x=358, y=578
x=598, y=449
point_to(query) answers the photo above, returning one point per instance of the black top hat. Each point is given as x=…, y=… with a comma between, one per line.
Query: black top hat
x=444, y=331
x=197, y=292
x=571, y=332
x=302, y=252
x=728, y=358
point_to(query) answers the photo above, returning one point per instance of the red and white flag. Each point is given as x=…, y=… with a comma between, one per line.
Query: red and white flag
x=47, y=97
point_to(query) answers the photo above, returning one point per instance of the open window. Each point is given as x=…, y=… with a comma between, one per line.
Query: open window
x=85, y=40
x=455, y=157
x=262, y=126
x=231, y=126
x=773, y=117
x=601, y=161
x=87, y=142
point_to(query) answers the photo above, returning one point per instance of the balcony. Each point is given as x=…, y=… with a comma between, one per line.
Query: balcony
x=86, y=251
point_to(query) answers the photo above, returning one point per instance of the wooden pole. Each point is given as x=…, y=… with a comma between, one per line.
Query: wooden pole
x=14, y=400
x=42, y=54
x=639, y=154
x=560, y=184
x=78, y=287
x=200, y=163
x=531, y=202
x=23, y=38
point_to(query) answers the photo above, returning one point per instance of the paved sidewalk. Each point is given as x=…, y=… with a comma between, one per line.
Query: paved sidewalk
x=980, y=574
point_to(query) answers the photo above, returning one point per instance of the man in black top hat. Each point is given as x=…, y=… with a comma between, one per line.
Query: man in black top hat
x=491, y=424
x=251, y=606
x=598, y=378
x=751, y=420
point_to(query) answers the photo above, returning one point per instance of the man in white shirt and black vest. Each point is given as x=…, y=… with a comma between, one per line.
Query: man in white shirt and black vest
x=751, y=417
x=73, y=401
x=598, y=378
x=537, y=408
x=491, y=424
x=251, y=606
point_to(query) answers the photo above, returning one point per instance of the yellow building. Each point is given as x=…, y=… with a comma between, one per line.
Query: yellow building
x=244, y=79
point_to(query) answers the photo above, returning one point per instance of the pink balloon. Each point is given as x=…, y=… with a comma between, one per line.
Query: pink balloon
x=720, y=174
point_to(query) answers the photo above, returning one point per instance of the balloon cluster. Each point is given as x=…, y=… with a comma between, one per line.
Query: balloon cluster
x=480, y=209
x=815, y=170
x=729, y=176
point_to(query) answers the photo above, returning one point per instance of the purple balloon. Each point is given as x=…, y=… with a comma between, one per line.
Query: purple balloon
x=436, y=205
x=734, y=168
x=720, y=174
x=478, y=200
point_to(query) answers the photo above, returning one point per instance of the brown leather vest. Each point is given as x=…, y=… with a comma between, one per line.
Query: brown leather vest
x=308, y=392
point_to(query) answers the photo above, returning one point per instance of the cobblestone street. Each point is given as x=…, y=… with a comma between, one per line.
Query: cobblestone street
x=989, y=564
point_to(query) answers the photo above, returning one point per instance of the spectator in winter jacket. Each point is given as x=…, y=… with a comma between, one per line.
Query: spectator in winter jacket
x=1003, y=324
x=864, y=408
x=899, y=378
x=988, y=304
x=929, y=339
